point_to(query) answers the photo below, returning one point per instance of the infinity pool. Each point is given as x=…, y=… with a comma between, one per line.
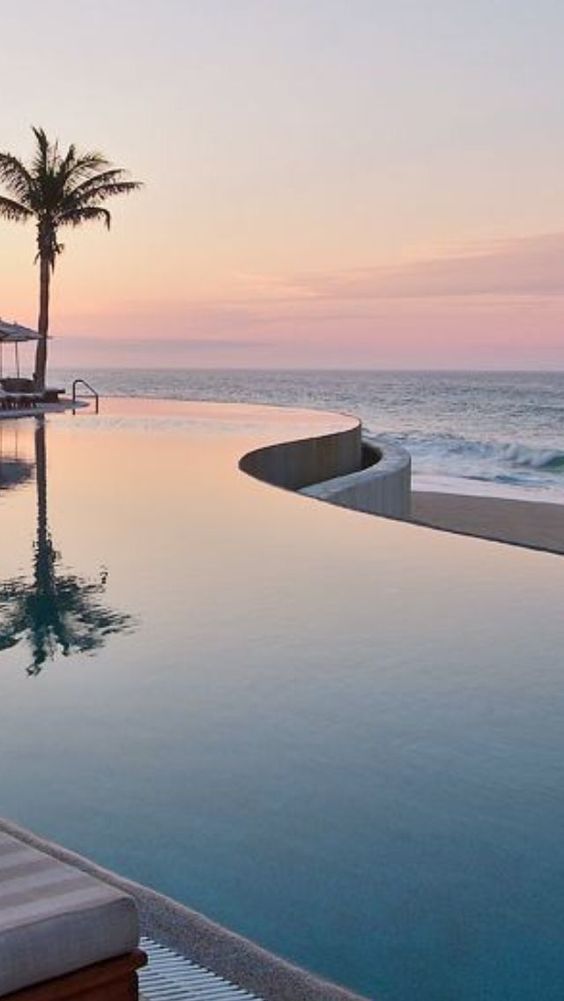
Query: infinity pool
x=339, y=735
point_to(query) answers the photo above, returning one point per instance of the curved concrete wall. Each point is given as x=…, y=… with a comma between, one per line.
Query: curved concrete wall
x=382, y=487
x=339, y=468
x=297, y=464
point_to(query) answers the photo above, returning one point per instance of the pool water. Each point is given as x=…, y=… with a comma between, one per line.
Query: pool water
x=339, y=735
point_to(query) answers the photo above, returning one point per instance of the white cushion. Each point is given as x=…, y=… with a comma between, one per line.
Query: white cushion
x=55, y=919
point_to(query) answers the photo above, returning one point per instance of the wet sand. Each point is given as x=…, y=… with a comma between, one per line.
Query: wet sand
x=522, y=523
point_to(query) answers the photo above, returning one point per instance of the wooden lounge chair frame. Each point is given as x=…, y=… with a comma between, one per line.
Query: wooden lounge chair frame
x=19, y=401
x=112, y=980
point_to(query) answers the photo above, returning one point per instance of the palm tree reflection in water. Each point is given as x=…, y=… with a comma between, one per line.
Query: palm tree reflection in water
x=57, y=611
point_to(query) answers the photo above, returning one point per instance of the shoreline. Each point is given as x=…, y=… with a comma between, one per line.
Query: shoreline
x=531, y=524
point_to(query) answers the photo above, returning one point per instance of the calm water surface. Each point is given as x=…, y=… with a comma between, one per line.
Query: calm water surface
x=496, y=433
x=339, y=735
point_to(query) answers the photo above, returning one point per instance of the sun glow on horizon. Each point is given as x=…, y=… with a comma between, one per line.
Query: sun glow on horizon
x=377, y=185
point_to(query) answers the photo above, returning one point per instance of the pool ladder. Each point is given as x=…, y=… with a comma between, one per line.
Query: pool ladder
x=91, y=390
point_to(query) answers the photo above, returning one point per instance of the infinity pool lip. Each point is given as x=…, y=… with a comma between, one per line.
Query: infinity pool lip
x=341, y=468
x=229, y=955
x=302, y=462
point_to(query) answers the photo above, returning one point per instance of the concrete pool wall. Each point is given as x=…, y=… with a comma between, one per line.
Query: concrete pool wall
x=339, y=468
x=297, y=464
x=382, y=487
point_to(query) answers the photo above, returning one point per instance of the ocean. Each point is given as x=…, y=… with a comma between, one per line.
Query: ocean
x=488, y=433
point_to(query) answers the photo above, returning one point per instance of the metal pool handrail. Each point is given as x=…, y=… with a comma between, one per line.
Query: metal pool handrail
x=90, y=388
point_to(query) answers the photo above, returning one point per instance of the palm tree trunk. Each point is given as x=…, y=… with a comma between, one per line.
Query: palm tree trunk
x=43, y=323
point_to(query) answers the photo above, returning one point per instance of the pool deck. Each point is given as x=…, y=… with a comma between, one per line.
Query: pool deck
x=528, y=523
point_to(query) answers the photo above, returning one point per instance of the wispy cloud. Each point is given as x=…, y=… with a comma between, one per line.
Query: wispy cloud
x=531, y=266
x=481, y=305
x=162, y=345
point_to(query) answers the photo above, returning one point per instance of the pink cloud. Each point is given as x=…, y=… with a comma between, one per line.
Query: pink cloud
x=531, y=266
x=488, y=306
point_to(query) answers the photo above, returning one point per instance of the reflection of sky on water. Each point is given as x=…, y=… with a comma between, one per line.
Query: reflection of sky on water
x=338, y=734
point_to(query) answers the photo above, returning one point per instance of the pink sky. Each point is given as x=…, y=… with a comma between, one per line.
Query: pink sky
x=488, y=306
x=325, y=185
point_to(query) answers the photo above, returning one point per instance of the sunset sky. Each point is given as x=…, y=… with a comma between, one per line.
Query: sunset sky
x=352, y=183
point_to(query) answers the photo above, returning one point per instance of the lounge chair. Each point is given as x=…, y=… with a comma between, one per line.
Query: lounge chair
x=18, y=394
x=13, y=384
x=64, y=934
x=22, y=392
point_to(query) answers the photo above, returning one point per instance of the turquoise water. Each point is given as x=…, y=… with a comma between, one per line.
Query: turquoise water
x=339, y=735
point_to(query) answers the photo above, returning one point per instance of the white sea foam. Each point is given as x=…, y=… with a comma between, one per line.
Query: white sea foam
x=483, y=488
x=454, y=464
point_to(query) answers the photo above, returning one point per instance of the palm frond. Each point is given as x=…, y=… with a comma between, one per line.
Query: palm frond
x=60, y=188
x=86, y=213
x=69, y=159
x=14, y=211
x=44, y=169
x=103, y=177
x=86, y=165
x=15, y=176
x=100, y=193
x=42, y=156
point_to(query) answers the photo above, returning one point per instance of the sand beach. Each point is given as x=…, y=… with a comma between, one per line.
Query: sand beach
x=535, y=524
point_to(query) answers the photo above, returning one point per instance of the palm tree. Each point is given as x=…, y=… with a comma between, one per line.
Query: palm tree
x=57, y=191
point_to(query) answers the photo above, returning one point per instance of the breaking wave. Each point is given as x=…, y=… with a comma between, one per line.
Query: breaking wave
x=536, y=458
x=510, y=463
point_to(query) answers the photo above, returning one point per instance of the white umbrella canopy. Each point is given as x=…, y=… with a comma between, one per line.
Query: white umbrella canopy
x=14, y=333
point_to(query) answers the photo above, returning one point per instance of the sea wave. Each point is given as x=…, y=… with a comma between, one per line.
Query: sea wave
x=507, y=466
x=537, y=458
x=448, y=447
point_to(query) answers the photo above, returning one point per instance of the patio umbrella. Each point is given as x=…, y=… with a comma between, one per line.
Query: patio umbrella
x=14, y=333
